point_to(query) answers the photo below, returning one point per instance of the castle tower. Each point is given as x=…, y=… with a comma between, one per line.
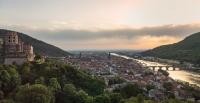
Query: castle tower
x=28, y=50
x=11, y=38
x=1, y=47
x=1, y=43
x=15, y=50
x=12, y=43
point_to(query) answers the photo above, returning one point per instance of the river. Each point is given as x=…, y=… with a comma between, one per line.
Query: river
x=190, y=77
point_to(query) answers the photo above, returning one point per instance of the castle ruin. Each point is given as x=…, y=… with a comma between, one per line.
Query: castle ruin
x=14, y=50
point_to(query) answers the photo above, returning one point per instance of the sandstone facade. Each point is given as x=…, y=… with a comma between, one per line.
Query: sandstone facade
x=14, y=50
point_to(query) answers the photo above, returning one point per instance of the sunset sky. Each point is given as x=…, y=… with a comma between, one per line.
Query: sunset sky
x=102, y=24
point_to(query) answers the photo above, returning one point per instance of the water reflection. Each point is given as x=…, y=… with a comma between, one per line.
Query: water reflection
x=190, y=77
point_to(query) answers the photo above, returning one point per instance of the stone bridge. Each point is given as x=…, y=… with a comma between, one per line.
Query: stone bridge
x=167, y=68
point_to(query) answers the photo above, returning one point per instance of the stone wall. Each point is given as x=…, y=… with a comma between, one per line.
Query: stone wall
x=1, y=60
x=18, y=61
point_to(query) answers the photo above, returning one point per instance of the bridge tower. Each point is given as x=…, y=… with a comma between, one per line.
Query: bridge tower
x=167, y=68
x=80, y=55
x=109, y=55
x=154, y=68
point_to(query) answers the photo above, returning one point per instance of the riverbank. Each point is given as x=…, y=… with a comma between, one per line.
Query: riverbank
x=186, y=76
x=155, y=85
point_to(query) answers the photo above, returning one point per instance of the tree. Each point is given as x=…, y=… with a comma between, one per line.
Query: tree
x=54, y=85
x=168, y=86
x=115, y=80
x=69, y=88
x=130, y=90
x=92, y=85
x=149, y=87
x=37, y=93
x=165, y=73
x=7, y=101
x=26, y=73
x=1, y=95
x=131, y=100
x=5, y=76
x=140, y=98
x=102, y=99
x=40, y=80
x=5, y=79
x=174, y=101
x=83, y=97
x=115, y=97
x=9, y=79
x=38, y=57
x=15, y=79
x=67, y=95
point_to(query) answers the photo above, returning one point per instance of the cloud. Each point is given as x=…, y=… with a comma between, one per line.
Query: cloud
x=178, y=31
x=146, y=37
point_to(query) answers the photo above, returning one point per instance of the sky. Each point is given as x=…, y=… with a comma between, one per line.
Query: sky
x=102, y=24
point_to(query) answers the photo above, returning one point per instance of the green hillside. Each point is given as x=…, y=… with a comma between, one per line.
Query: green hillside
x=40, y=47
x=185, y=50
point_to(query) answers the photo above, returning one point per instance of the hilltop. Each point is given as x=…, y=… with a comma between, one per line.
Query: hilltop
x=185, y=50
x=40, y=47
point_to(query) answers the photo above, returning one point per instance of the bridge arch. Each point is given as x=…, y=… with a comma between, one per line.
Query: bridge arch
x=167, y=68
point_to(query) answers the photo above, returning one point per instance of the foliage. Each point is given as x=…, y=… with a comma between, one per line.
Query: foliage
x=129, y=90
x=63, y=83
x=9, y=79
x=56, y=82
x=139, y=99
x=168, y=86
x=187, y=50
x=176, y=101
x=102, y=99
x=115, y=80
x=165, y=73
x=37, y=57
x=115, y=98
x=149, y=87
x=54, y=85
x=36, y=93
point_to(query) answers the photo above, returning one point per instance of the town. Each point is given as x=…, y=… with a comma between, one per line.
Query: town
x=115, y=70
x=157, y=84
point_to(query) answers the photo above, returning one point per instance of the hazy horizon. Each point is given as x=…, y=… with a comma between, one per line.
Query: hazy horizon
x=102, y=24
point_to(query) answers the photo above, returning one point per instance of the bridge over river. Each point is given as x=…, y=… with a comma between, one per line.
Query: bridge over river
x=176, y=72
x=154, y=67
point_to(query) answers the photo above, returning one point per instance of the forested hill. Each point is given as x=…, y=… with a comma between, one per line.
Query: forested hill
x=185, y=50
x=40, y=47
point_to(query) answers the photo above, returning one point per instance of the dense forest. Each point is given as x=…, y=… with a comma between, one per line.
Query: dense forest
x=186, y=50
x=56, y=82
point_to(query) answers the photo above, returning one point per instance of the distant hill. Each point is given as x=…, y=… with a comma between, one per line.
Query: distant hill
x=39, y=46
x=185, y=50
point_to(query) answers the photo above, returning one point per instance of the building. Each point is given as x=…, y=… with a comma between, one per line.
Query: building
x=1, y=45
x=14, y=50
x=28, y=50
x=1, y=50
